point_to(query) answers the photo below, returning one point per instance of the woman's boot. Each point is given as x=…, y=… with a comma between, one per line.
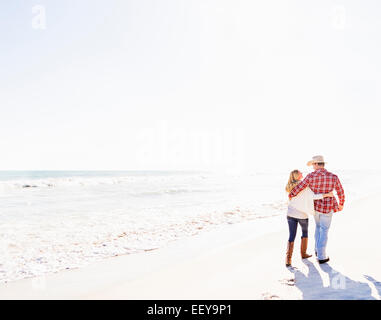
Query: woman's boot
x=290, y=248
x=303, y=248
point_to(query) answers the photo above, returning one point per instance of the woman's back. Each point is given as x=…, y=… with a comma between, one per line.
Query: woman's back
x=303, y=204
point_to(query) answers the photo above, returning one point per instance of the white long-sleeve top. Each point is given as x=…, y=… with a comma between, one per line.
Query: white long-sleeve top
x=303, y=204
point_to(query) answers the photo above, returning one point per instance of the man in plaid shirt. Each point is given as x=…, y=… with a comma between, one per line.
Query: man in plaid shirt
x=322, y=181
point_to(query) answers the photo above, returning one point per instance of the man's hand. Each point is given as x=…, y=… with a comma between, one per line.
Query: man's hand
x=341, y=208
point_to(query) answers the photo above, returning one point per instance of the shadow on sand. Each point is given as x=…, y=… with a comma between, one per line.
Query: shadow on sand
x=340, y=287
x=376, y=283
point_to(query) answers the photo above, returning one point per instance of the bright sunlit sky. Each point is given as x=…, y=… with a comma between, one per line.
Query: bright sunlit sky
x=189, y=84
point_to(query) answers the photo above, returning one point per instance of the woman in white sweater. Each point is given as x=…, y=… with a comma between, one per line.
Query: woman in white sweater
x=299, y=208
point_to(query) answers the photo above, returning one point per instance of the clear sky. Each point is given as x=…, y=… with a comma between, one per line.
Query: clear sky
x=189, y=84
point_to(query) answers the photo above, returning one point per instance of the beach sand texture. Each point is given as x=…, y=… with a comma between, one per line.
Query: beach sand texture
x=232, y=264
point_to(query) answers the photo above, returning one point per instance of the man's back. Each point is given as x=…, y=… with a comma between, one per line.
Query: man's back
x=322, y=181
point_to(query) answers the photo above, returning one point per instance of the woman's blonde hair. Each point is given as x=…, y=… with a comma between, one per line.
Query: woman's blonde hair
x=293, y=181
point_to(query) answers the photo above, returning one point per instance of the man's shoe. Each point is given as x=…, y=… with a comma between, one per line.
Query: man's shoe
x=323, y=261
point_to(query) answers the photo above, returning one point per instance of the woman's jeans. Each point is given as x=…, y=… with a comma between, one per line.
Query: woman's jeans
x=323, y=222
x=292, y=226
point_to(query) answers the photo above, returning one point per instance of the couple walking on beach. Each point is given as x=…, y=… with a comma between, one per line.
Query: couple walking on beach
x=312, y=196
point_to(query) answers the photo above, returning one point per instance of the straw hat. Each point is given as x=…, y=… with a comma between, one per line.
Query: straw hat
x=316, y=159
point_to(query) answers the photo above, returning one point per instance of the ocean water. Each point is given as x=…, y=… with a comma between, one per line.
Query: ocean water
x=57, y=220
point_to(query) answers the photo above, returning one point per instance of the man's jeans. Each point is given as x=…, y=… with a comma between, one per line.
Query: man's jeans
x=323, y=222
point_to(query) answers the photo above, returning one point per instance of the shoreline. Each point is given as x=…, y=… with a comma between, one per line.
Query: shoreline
x=242, y=261
x=85, y=280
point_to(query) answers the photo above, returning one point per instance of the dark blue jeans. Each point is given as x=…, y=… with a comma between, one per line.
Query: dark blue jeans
x=292, y=226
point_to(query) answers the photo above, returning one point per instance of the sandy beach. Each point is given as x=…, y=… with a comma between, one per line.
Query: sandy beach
x=242, y=261
x=151, y=150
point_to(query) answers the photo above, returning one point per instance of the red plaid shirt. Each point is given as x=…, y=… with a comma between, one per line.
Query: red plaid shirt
x=322, y=181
